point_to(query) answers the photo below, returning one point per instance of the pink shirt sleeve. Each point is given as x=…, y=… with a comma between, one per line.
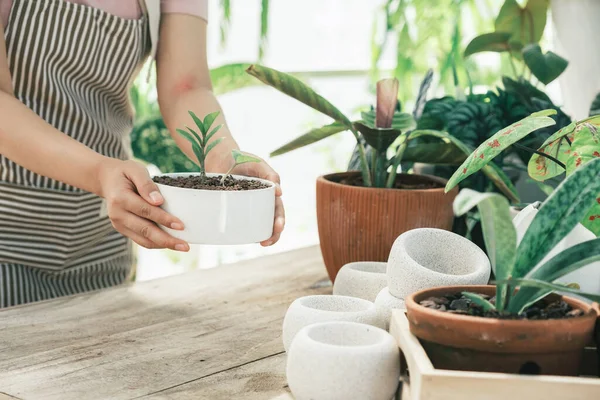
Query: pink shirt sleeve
x=198, y=8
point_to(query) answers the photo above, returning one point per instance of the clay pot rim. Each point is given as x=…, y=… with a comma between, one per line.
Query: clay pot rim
x=327, y=178
x=588, y=309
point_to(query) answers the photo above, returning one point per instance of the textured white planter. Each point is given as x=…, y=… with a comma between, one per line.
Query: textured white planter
x=426, y=257
x=587, y=277
x=385, y=303
x=363, y=279
x=575, y=38
x=343, y=361
x=221, y=217
x=323, y=308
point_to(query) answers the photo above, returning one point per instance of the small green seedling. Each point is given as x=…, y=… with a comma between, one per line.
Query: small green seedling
x=239, y=158
x=201, y=146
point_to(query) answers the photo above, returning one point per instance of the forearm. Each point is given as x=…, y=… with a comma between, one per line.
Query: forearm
x=201, y=101
x=28, y=140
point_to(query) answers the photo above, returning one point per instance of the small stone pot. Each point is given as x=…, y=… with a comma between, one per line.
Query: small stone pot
x=322, y=308
x=342, y=361
x=362, y=279
x=426, y=257
x=464, y=342
x=385, y=303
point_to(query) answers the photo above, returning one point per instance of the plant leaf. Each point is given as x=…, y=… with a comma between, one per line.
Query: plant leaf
x=567, y=261
x=212, y=144
x=491, y=170
x=553, y=287
x=212, y=132
x=545, y=67
x=525, y=23
x=494, y=41
x=558, y=215
x=198, y=123
x=541, y=168
x=195, y=145
x=230, y=77
x=387, y=98
x=595, y=107
x=294, y=88
x=498, y=142
x=400, y=121
x=480, y=301
x=194, y=134
x=438, y=153
x=378, y=138
x=209, y=119
x=264, y=28
x=422, y=96
x=241, y=158
x=499, y=232
x=312, y=136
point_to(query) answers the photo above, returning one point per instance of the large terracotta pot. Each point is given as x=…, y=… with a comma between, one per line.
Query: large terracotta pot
x=462, y=342
x=360, y=224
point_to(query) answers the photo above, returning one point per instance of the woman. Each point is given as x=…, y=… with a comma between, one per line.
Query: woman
x=70, y=202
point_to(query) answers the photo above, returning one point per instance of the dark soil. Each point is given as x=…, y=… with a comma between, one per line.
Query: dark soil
x=209, y=183
x=410, y=182
x=459, y=304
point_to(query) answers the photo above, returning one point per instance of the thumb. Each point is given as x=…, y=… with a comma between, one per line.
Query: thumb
x=144, y=185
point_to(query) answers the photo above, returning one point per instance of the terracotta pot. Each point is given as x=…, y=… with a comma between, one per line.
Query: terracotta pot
x=361, y=224
x=461, y=342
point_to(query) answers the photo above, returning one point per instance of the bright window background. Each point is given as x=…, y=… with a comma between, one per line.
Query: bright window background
x=329, y=41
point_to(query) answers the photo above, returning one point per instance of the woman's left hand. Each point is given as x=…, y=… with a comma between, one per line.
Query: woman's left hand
x=262, y=170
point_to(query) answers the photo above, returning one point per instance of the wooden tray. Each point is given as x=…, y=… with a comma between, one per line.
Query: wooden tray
x=425, y=382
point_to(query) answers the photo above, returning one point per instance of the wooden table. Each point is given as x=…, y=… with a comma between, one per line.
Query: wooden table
x=208, y=334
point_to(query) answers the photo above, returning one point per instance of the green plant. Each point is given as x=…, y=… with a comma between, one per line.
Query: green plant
x=383, y=129
x=566, y=150
x=201, y=146
x=518, y=30
x=519, y=266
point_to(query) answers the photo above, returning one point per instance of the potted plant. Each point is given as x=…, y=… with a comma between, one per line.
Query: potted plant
x=217, y=208
x=360, y=213
x=516, y=326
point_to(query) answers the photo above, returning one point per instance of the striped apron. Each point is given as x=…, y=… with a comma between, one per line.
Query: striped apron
x=73, y=66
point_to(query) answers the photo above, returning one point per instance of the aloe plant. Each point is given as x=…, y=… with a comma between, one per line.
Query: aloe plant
x=519, y=266
x=201, y=146
x=385, y=130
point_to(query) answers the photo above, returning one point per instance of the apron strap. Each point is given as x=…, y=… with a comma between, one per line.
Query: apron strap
x=151, y=9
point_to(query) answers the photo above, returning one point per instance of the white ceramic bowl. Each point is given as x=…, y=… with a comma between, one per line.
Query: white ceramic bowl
x=221, y=217
x=363, y=279
x=322, y=308
x=427, y=257
x=343, y=361
x=385, y=303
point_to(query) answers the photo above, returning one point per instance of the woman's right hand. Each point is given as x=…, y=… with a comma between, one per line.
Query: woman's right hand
x=133, y=201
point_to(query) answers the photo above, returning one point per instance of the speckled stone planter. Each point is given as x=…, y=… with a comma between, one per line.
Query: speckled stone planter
x=343, y=361
x=323, y=308
x=426, y=257
x=363, y=279
x=385, y=303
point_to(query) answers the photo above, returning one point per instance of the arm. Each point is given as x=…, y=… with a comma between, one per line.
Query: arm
x=184, y=84
x=31, y=142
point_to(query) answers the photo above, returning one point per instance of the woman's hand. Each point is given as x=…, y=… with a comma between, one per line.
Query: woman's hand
x=133, y=201
x=262, y=170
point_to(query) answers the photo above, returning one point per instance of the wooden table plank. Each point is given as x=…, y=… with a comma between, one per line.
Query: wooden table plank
x=132, y=341
x=259, y=380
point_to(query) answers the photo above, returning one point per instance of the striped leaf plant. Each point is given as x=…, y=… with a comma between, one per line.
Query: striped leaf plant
x=519, y=266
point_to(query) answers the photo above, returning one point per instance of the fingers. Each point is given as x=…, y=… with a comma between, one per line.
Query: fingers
x=136, y=205
x=144, y=184
x=278, y=223
x=147, y=234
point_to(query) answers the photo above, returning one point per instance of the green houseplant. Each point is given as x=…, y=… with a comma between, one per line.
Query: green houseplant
x=506, y=327
x=361, y=212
